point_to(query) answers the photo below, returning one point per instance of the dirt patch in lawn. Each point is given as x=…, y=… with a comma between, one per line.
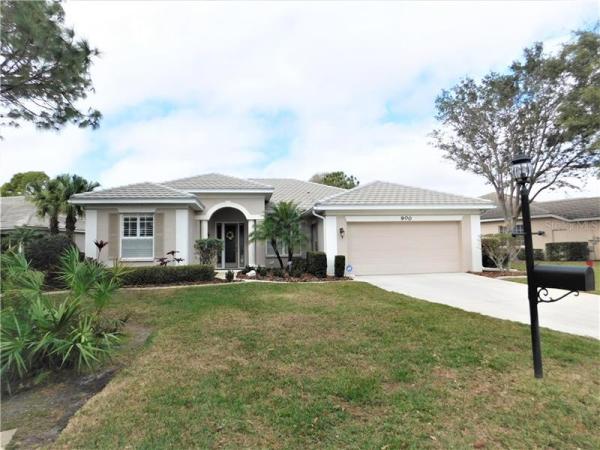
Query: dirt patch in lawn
x=40, y=412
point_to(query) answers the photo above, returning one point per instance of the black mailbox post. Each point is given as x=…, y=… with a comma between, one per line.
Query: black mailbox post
x=540, y=278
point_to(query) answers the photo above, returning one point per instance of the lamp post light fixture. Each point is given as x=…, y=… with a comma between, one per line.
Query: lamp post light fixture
x=342, y=232
x=521, y=171
x=540, y=278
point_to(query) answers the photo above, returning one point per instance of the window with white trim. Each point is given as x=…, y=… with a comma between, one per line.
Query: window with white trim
x=282, y=248
x=137, y=240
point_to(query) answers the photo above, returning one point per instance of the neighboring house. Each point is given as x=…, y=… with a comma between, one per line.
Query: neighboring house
x=19, y=212
x=570, y=220
x=381, y=228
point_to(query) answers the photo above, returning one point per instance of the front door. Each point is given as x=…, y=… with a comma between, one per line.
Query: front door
x=231, y=247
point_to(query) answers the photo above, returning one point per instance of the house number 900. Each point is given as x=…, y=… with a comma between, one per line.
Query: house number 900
x=406, y=218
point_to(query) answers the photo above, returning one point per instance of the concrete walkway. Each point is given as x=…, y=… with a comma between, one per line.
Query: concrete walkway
x=497, y=298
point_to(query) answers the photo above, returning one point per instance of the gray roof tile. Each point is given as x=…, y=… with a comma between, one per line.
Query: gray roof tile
x=304, y=193
x=19, y=212
x=384, y=193
x=216, y=181
x=569, y=209
x=140, y=191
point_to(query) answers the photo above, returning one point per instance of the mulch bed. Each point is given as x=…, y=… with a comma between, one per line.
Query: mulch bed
x=304, y=278
x=498, y=274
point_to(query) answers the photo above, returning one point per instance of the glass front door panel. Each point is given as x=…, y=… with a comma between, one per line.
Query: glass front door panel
x=242, y=245
x=220, y=237
x=231, y=243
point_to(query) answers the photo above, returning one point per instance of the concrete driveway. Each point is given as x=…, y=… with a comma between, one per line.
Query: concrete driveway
x=497, y=298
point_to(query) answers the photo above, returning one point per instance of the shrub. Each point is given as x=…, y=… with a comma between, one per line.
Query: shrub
x=39, y=333
x=499, y=249
x=140, y=276
x=567, y=251
x=538, y=254
x=208, y=249
x=229, y=276
x=262, y=271
x=278, y=272
x=44, y=254
x=247, y=269
x=316, y=264
x=340, y=265
x=298, y=267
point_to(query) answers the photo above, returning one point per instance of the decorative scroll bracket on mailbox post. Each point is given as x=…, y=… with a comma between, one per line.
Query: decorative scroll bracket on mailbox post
x=541, y=278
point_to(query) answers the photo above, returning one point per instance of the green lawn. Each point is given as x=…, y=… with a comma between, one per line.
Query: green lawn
x=338, y=365
x=520, y=265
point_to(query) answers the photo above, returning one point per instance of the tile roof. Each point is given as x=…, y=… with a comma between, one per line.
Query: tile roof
x=19, y=212
x=569, y=209
x=304, y=193
x=216, y=181
x=384, y=193
x=138, y=191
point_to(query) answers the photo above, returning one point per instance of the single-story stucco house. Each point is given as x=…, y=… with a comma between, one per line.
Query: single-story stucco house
x=568, y=220
x=381, y=228
x=17, y=212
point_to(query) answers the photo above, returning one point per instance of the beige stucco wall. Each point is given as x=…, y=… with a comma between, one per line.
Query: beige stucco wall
x=556, y=230
x=253, y=203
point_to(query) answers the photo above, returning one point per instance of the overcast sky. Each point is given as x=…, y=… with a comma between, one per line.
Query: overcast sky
x=283, y=89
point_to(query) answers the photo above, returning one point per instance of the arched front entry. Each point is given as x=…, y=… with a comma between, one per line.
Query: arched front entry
x=232, y=225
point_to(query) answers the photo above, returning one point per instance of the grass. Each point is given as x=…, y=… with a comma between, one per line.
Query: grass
x=520, y=265
x=340, y=365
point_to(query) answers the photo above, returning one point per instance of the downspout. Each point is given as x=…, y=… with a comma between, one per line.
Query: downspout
x=314, y=213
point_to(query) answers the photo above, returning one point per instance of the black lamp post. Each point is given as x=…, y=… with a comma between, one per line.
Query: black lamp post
x=521, y=171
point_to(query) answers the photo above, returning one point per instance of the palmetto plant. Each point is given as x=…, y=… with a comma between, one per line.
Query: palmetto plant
x=70, y=185
x=282, y=225
x=39, y=332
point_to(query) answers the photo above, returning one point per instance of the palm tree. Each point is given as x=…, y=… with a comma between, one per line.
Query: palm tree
x=73, y=184
x=282, y=225
x=47, y=197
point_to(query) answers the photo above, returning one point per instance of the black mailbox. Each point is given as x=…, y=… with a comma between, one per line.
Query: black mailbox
x=570, y=278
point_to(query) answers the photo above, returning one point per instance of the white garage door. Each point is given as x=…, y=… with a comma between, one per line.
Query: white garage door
x=388, y=248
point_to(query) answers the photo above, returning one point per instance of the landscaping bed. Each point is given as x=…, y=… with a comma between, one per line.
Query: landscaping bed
x=288, y=278
x=499, y=273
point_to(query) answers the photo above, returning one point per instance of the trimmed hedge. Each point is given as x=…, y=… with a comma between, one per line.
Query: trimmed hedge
x=140, y=276
x=340, y=265
x=298, y=267
x=567, y=251
x=538, y=254
x=316, y=264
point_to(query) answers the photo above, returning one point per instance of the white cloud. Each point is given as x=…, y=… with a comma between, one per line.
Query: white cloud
x=332, y=66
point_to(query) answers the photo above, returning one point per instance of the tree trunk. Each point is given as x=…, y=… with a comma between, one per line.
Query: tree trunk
x=290, y=256
x=276, y=250
x=53, y=226
x=70, y=222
